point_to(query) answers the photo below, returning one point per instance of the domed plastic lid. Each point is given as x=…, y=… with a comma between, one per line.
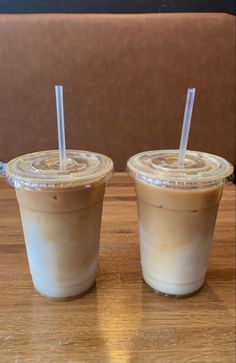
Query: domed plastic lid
x=160, y=167
x=41, y=170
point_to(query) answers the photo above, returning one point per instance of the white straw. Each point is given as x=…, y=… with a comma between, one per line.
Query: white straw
x=61, y=126
x=186, y=124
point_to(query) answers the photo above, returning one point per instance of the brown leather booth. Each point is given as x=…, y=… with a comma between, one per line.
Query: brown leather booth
x=125, y=79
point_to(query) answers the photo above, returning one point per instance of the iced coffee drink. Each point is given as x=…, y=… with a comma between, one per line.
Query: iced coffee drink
x=177, y=209
x=61, y=217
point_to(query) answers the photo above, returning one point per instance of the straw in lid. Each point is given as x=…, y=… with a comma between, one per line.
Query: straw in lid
x=41, y=170
x=161, y=168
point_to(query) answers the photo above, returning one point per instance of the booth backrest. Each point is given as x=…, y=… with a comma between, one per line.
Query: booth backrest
x=125, y=79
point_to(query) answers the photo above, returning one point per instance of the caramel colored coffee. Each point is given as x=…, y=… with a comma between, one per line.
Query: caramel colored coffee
x=177, y=209
x=175, y=231
x=62, y=232
x=61, y=213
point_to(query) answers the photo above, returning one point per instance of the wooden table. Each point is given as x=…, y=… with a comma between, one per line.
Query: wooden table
x=121, y=319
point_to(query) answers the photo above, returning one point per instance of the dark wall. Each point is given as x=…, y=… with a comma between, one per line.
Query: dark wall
x=115, y=6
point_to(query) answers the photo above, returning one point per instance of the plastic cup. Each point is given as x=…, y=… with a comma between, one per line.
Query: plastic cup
x=177, y=209
x=61, y=217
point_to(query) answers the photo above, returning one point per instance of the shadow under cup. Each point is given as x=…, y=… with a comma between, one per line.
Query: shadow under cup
x=61, y=215
x=177, y=209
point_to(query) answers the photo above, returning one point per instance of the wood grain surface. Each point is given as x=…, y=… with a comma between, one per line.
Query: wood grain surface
x=121, y=319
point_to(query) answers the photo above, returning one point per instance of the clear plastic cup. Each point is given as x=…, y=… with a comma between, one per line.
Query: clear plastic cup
x=177, y=209
x=61, y=217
